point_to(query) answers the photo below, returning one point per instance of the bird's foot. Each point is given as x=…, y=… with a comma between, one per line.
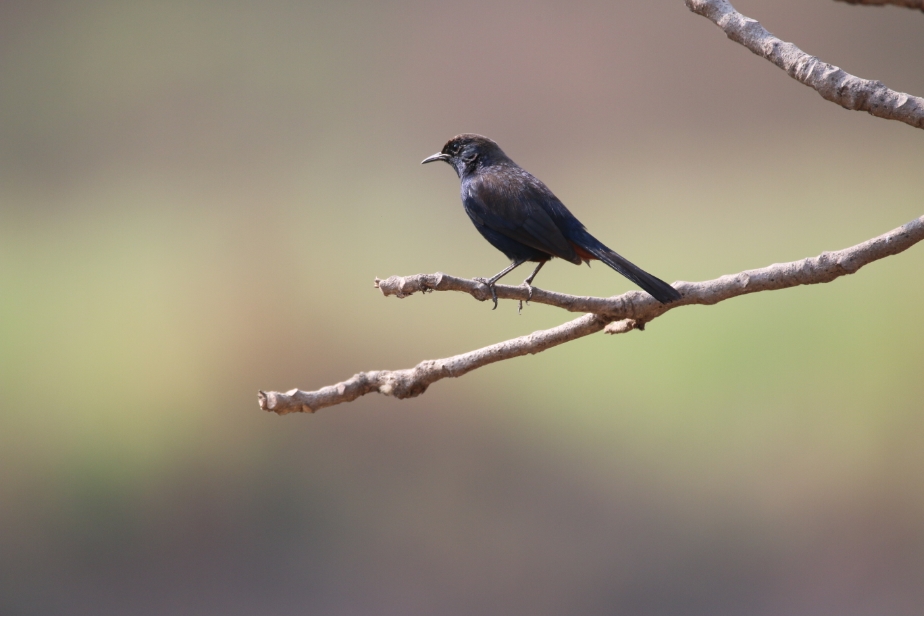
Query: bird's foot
x=529, y=296
x=529, y=291
x=490, y=285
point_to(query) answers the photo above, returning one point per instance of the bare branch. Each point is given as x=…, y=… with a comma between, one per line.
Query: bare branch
x=908, y=4
x=403, y=286
x=624, y=313
x=412, y=382
x=829, y=81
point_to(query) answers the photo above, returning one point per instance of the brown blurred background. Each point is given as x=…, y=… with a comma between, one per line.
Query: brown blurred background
x=196, y=197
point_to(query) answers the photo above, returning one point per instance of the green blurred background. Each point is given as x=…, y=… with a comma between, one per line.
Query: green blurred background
x=196, y=197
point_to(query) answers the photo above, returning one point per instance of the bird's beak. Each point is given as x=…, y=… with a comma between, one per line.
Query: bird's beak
x=439, y=156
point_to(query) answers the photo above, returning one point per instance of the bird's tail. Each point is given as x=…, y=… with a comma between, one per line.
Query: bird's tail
x=661, y=291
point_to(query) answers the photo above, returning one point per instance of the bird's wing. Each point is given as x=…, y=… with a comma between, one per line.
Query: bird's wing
x=515, y=205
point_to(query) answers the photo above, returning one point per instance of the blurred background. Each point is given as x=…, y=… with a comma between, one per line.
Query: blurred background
x=196, y=197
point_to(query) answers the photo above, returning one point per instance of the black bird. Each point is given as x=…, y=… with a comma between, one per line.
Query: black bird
x=523, y=219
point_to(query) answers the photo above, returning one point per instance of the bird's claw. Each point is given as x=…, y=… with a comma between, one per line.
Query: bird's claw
x=529, y=296
x=490, y=286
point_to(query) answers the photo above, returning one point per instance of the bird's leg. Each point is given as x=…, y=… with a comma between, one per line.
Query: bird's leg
x=491, y=281
x=529, y=280
x=529, y=288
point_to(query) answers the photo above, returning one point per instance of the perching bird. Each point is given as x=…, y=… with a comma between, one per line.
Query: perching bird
x=523, y=219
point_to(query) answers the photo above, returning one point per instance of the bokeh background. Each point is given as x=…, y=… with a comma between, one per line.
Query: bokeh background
x=196, y=197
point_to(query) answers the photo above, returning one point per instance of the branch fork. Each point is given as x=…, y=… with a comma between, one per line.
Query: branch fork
x=617, y=315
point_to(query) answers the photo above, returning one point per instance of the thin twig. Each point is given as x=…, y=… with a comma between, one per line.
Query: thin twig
x=908, y=4
x=630, y=311
x=829, y=81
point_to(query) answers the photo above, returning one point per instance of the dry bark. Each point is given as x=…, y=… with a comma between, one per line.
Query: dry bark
x=829, y=81
x=629, y=311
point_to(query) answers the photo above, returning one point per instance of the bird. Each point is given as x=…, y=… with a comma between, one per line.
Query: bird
x=524, y=220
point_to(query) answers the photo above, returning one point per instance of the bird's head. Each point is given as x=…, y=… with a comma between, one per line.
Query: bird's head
x=468, y=152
